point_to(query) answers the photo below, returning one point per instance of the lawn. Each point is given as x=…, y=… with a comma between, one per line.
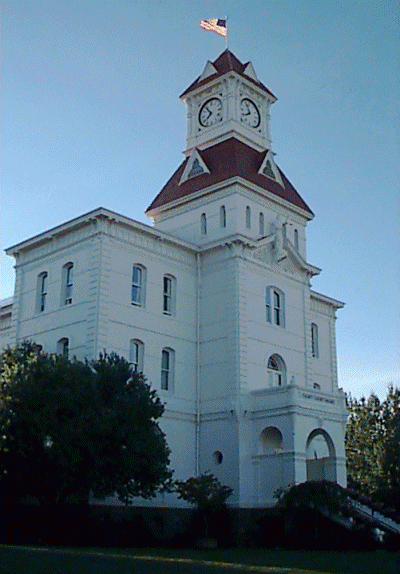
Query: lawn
x=23, y=560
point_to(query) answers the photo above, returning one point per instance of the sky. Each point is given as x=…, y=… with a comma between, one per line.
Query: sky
x=91, y=117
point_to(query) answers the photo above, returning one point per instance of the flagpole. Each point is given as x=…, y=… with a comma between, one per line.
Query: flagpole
x=226, y=37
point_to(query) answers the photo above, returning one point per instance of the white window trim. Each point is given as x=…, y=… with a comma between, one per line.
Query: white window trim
x=314, y=341
x=275, y=315
x=136, y=355
x=63, y=347
x=169, y=294
x=41, y=297
x=167, y=371
x=140, y=286
x=67, y=283
x=276, y=376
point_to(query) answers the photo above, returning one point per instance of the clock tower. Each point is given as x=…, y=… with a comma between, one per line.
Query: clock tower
x=227, y=100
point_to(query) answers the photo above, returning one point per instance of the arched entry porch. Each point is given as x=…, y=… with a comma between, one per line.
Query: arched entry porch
x=320, y=456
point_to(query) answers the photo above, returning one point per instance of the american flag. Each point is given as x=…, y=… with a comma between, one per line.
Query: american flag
x=214, y=25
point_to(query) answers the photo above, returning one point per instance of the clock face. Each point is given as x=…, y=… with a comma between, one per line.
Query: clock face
x=249, y=113
x=210, y=112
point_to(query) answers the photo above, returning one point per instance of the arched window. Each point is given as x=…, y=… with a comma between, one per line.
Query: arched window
x=314, y=340
x=296, y=239
x=167, y=369
x=42, y=291
x=270, y=440
x=67, y=282
x=248, y=217
x=222, y=216
x=276, y=371
x=275, y=306
x=136, y=354
x=169, y=294
x=203, y=224
x=63, y=347
x=261, y=224
x=138, y=285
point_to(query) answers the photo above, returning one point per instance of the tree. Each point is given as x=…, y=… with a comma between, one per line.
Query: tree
x=69, y=428
x=373, y=443
x=207, y=493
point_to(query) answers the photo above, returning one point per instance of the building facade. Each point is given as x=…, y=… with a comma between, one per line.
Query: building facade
x=212, y=302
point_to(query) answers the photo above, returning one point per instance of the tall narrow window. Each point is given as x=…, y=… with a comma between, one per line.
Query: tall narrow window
x=276, y=371
x=222, y=216
x=314, y=340
x=296, y=239
x=261, y=224
x=136, y=354
x=203, y=224
x=248, y=217
x=67, y=283
x=63, y=347
x=169, y=286
x=167, y=369
x=42, y=292
x=138, y=278
x=275, y=306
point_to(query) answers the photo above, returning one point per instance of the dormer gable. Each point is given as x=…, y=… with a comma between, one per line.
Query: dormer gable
x=269, y=169
x=250, y=72
x=209, y=70
x=195, y=166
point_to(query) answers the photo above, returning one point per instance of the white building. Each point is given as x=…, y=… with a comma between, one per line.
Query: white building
x=213, y=302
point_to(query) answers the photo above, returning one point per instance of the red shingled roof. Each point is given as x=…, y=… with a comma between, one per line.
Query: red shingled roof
x=230, y=158
x=226, y=62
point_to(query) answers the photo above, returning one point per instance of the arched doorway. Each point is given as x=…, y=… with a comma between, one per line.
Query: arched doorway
x=320, y=456
x=270, y=440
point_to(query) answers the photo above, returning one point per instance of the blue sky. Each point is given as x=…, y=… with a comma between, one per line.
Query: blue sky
x=91, y=117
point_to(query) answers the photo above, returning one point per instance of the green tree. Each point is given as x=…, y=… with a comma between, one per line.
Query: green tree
x=372, y=443
x=69, y=428
x=208, y=494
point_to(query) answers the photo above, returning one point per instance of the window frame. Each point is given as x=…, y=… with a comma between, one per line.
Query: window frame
x=138, y=285
x=136, y=355
x=169, y=294
x=203, y=224
x=222, y=216
x=275, y=306
x=314, y=341
x=67, y=283
x=261, y=224
x=248, y=217
x=167, y=369
x=63, y=347
x=277, y=371
x=42, y=292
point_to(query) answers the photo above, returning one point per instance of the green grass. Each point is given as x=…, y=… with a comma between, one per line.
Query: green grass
x=23, y=560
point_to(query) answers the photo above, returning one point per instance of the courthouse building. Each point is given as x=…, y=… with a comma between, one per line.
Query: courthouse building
x=213, y=301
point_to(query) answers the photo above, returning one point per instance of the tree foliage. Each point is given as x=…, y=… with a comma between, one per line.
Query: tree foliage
x=205, y=491
x=69, y=428
x=373, y=443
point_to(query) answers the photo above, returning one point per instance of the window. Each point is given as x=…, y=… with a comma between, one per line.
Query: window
x=296, y=239
x=167, y=369
x=138, y=282
x=248, y=217
x=203, y=224
x=261, y=224
x=63, y=347
x=274, y=304
x=314, y=340
x=196, y=168
x=67, y=283
x=42, y=292
x=222, y=216
x=136, y=354
x=276, y=371
x=169, y=288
